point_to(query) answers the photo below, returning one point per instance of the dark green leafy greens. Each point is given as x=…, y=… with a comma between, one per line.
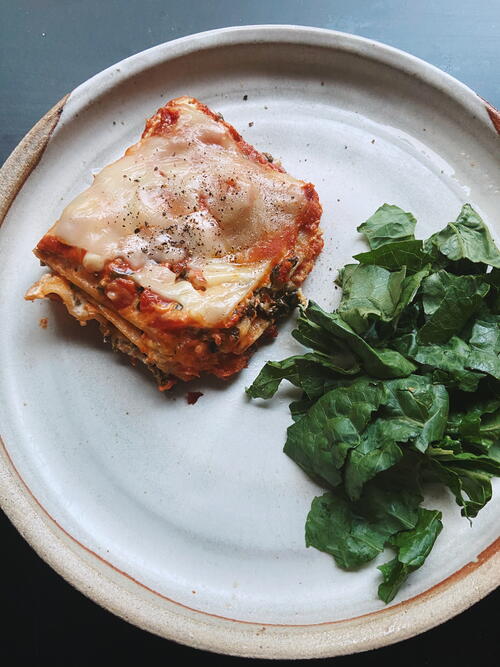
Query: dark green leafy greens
x=402, y=388
x=484, y=342
x=449, y=301
x=388, y=223
x=467, y=238
x=382, y=362
x=355, y=533
x=467, y=475
x=370, y=293
x=392, y=256
x=412, y=548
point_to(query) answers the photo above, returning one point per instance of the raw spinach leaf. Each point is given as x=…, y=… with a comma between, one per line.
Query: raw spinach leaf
x=333, y=526
x=354, y=533
x=369, y=293
x=376, y=452
x=478, y=426
x=412, y=547
x=408, y=315
x=393, y=256
x=269, y=379
x=312, y=335
x=387, y=224
x=300, y=408
x=485, y=345
x=412, y=412
x=449, y=301
x=467, y=238
x=381, y=363
x=447, y=363
x=409, y=288
x=417, y=407
x=439, y=287
x=467, y=475
x=317, y=374
x=493, y=298
x=411, y=318
x=465, y=460
x=310, y=371
x=319, y=441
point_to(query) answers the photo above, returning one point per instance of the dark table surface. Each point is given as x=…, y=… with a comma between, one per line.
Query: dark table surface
x=47, y=47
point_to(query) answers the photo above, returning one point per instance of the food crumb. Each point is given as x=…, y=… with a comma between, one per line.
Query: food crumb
x=43, y=322
x=250, y=124
x=193, y=396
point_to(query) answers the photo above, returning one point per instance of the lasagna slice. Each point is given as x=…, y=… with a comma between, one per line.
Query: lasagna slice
x=187, y=249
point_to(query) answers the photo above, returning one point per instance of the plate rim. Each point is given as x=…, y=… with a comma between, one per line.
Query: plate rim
x=115, y=590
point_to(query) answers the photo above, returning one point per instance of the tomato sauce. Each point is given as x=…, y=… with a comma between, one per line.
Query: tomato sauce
x=52, y=246
x=121, y=292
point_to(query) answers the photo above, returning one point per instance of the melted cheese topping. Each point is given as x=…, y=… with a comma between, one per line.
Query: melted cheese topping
x=189, y=195
x=227, y=285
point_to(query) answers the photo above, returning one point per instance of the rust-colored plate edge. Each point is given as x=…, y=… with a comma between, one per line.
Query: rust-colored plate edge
x=26, y=156
x=494, y=114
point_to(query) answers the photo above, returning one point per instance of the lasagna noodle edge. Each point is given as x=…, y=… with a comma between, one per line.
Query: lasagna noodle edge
x=130, y=340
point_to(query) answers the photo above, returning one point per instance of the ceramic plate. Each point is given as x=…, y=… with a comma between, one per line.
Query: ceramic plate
x=188, y=520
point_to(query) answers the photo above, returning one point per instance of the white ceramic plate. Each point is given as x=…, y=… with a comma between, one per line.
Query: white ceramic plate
x=189, y=520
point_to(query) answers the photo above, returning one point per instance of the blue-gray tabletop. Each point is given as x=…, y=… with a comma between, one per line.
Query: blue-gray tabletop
x=47, y=47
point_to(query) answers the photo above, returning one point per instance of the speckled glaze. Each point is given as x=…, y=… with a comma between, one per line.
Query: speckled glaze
x=187, y=520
